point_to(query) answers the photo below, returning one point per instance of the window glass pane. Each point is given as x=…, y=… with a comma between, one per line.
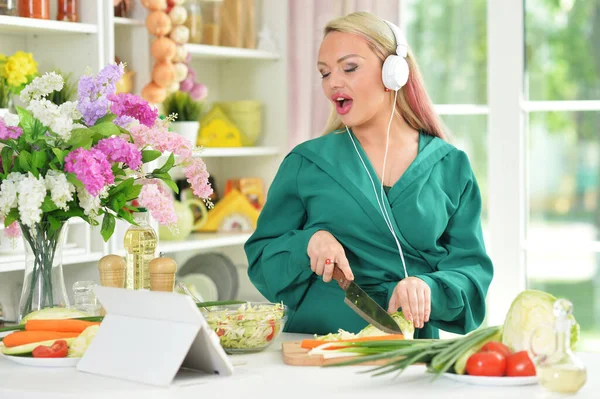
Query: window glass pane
x=469, y=133
x=562, y=53
x=448, y=38
x=562, y=232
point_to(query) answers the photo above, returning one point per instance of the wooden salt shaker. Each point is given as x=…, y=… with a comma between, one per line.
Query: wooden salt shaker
x=162, y=274
x=112, y=270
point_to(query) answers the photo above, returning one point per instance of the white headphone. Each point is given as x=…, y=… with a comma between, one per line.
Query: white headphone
x=395, y=68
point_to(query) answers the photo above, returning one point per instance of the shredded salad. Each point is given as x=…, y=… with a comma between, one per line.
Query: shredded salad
x=249, y=326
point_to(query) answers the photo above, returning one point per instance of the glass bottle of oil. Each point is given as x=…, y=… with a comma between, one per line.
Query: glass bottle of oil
x=140, y=244
x=561, y=371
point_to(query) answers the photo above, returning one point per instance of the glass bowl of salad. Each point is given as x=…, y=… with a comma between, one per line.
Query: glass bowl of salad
x=246, y=328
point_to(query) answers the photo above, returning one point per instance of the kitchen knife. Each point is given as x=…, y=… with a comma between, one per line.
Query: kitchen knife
x=364, y=305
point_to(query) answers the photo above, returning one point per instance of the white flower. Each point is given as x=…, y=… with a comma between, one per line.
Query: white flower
x=61, y=191
x=8, y=193
x=42, y=86
x=31, y=194
x=90, y=204
x=58, y=119
x=11, y=119
x=69, y=109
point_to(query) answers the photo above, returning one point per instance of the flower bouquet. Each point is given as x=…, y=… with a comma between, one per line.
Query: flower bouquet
x=16, y=71
x=90, y=159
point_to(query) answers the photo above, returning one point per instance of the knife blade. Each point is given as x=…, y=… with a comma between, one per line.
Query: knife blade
x=364, y=305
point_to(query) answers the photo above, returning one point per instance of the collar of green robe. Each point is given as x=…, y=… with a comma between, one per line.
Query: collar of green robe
x=335, y=155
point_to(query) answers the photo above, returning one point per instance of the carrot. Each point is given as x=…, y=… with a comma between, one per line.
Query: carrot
x=58, y=325
x=29, y=337
x=313, y=343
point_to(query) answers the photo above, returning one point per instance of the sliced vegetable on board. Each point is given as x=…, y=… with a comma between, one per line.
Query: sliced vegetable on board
x=58, y=349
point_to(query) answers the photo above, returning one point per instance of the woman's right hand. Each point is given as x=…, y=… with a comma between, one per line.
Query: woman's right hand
x=325, y=252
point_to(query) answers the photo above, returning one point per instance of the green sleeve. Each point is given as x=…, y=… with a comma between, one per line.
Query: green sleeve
x=278, y=263
x=460, y=283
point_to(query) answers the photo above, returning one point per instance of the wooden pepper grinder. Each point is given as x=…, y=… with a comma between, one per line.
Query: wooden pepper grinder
x=112, y=271
x=162, y=274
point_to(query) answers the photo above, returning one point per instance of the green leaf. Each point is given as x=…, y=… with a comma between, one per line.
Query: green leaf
x=133, y=192
x=7, y=159
x=108, y=226
x=117, y=171
x=12, y=216
x=121, y=186
x=54, y=223
x=27, y=122
x=81, y=138
x=150, y=155
x=167, y=166
x=123, y=214
x=106, y=118
x=172, y=185
x=72, y=212
x=106, y=129
x=60, y=154
x=162, y=176
x=48, y=205
x=25, y=161
x=71, y=178
x=39, y=159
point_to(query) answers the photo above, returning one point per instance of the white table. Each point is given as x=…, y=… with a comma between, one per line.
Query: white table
x=264, y=375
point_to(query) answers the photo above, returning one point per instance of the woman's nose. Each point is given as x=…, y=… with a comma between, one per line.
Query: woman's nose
x=336, y=80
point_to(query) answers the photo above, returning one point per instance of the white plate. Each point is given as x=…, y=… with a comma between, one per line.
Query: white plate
x=492, y=381
x=38, y=362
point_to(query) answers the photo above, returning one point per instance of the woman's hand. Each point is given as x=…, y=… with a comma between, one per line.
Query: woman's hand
x=413, y=295
x=324, y=252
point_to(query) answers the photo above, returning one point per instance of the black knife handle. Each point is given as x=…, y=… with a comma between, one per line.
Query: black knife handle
x=338, y=275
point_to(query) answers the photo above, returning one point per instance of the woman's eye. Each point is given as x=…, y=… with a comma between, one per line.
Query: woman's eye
x=324, y=75
x=351, y=69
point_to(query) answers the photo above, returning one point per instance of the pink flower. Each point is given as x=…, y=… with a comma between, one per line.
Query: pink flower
x=127, y=106
x=160, y=139
x=91, y=168
x=13, y=230
x=118, y=150
x=9, y=132
x=159, y=203
x=199, y=92
x=197, y=176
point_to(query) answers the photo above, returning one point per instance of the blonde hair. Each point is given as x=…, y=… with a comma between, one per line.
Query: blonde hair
x=413, y=102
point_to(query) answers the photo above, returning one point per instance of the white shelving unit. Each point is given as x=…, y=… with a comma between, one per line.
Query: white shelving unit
x=230, y=74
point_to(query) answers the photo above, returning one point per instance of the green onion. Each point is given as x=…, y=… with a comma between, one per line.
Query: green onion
x=439, y=355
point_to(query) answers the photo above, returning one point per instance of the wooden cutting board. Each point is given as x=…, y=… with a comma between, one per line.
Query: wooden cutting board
x=294, y=355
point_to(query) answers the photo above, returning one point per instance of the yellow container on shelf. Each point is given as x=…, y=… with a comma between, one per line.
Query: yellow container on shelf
x=247, y=116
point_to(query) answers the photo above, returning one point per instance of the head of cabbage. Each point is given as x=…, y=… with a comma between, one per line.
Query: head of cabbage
x=530, y=313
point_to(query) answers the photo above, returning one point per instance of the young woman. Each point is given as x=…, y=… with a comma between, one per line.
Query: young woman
x=381, y=194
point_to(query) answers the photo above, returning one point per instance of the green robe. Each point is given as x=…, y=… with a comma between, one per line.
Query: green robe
x=435, y=209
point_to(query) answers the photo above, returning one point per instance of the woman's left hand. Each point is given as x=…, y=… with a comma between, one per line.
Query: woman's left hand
x=413, y=296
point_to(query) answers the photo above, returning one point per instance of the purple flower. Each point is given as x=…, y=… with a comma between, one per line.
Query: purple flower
x=91, y=168
x=129, y=105
x=199, y=92
x=92, y=92
x=186, y=84
x=118, y=150
x=9, y=132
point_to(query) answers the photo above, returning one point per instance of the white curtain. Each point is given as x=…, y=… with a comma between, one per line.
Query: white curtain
x=308, y=107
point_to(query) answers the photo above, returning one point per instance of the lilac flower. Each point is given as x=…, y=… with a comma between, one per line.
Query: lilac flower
x=118, y=150
x=127, y=106
x=91, y=168
x=93, y=102
x=9, y=132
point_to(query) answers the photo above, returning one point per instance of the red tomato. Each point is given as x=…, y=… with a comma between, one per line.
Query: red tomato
x=58, y=349
x=270, y=336
x=495, y=346
x=519, y=365
x=489, y=364
x=220, y=332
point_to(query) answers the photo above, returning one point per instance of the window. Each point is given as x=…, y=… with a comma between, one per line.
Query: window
x=562, y=76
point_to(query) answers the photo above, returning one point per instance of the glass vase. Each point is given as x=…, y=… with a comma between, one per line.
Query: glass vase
x=43, y=284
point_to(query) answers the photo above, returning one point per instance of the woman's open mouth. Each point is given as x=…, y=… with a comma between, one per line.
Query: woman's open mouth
x=343, y=103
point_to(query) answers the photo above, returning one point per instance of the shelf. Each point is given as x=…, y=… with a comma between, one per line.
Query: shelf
x=119, y=21
x=198, y=241
x=214, y=152
x=18, y=25
x=70, y=257
x=229, y=53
